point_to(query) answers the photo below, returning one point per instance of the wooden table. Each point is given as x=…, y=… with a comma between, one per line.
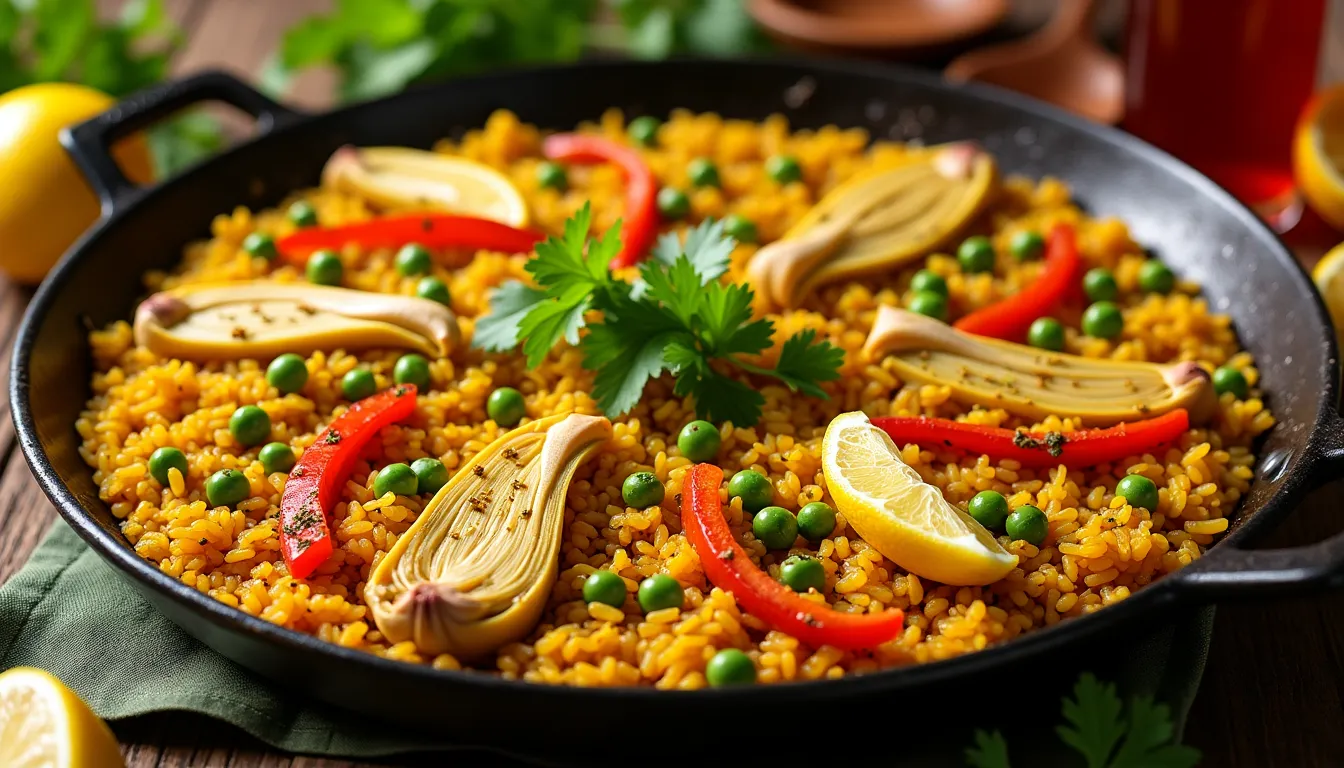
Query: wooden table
x=1273, y=692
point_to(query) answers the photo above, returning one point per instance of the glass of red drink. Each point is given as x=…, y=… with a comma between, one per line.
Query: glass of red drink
x=1220, y=84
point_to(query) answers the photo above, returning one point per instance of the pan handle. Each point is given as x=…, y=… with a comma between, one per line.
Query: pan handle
x=1228, y=572
x=89, y=142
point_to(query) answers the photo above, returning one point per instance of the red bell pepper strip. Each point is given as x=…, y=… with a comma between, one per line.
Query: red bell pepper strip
x=1009, y=319
x=432, y=230
x=641, y=188
x=729, y=568
x=1075, y=449
x=320, y=474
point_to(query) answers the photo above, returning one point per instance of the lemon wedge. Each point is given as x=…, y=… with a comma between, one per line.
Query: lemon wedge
x=899, y=514
x=1328, y=275
x=403, y=178
x=1318, y=154
x=45, y=725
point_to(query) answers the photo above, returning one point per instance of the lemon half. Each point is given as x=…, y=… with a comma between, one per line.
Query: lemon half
x=1318, y=154
x=43, y=724
x=900, y=515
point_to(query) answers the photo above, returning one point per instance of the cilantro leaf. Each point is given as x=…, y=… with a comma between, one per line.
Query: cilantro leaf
x=990, y=751
x=1094, y=714
x=497, y=331
x=1148, y=743
x=721, y=398
x=627, y=350
x=560, y=264
x=707, y=248
x=677, y=287
x=724, y=309
x=803, y=363
x=546, y=324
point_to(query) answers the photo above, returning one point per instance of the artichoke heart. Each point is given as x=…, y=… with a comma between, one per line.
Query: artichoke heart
x=879, y=221
x=476, y=569
x=404, y=178
x=1031, y=382
x=263, y=318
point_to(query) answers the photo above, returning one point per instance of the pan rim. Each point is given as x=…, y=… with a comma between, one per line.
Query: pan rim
x=1164, y=593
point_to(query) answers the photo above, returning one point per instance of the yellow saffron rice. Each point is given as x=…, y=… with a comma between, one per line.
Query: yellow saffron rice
x=1099, y=549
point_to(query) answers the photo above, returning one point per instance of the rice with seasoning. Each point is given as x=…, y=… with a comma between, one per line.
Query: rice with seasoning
x=1099, y=549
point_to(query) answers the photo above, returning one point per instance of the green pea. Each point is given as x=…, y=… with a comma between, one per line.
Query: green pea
x=552, y=176
x=324, y=268
x=740, y=228
x=1139, y=491
x=164, y=459
x=673, y=203
x=930, y=304
x=702, y=173
x=1103, y=320
x=260, y=245
x=1026, y=245
x=226, y=488
x=276, y=457
x=250, y=425
x=604, y=587
x=303, y=214
x=414, y=259
x=434, y=289
x=506, y=406
x=644, y=130
x=699, y=441
x=730, y=667
x=1046, y=333
x=1099, y=284
x=1229, y=379
x=989, y=509
x=928, y=282
x=430, y=475
x=397, y=478
x=1156, y=277
x=783, y=169
x=1028, y=523
x=642, y=490
x=659, y=592
x=753, y=488
x=816, y=521
x=976, y=254
x=775, y=527
x=412, y=369
x=287, y=373
x=358, y=384
x=801, y=573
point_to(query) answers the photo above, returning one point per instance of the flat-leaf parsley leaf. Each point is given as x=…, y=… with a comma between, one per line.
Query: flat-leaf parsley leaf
x=678, y=317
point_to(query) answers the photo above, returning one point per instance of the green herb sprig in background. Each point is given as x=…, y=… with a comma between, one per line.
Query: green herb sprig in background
x=678, y=318
x=64, y=40
x=1101, y=732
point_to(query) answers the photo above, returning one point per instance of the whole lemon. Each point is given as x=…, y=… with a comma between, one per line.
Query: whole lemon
x=45, y=203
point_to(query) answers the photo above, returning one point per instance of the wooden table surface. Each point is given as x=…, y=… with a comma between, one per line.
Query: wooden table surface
x=1273, y=692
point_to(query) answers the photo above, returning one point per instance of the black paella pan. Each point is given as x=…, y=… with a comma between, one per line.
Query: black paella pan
x=1194, y=225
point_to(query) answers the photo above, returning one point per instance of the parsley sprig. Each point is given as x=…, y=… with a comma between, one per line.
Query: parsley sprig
x=1099, y=732
x=678, y=317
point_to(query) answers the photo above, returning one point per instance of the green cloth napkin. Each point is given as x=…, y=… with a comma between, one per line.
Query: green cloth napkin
x=69, y=613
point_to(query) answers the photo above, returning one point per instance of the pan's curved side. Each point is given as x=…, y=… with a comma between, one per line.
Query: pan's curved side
x=1199, y=229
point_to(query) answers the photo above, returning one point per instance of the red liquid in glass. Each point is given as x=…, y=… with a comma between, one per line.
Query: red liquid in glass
x=1220, y=83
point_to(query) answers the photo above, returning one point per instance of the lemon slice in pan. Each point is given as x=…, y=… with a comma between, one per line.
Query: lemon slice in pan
x=903, y=517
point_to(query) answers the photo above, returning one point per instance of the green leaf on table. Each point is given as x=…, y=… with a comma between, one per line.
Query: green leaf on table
x=143, y=18
x=1094, y=724
x=497, y=331
x=723, y=28
x=655, y=36
x=1148, y=741
x=990, y=751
